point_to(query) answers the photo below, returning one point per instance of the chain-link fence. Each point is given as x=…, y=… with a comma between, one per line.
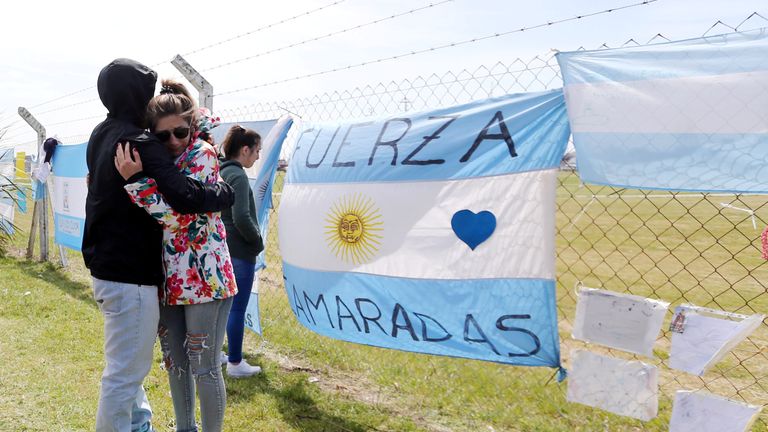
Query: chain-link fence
x=677, y=247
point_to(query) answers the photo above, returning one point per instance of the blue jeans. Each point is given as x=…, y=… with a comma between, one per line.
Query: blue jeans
x=191, y=337
x=130, y=327
x=244, y=274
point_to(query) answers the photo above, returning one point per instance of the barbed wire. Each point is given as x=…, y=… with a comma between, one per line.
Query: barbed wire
x=315, y=100
x=68, y=106
x=17, y=125
x=74, y=93
x=77, y=120
x=13, y=146
x=78, y=92
x=61, y=97
x=435, y=48
x=268, y=26
x=325, y=36
x=21, y=126
x=27, y=132
x=7, y=117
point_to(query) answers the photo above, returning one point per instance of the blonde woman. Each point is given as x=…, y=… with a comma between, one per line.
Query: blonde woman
x=200, y=282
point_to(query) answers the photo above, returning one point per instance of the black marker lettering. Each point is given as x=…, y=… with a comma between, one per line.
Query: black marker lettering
x=435, y=135
x=484, y=135
x=392, y=143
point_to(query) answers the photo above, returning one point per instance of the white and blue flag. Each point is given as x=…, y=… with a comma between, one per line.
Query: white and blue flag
x=689, y=115
x=7, y=192
x=68, y=196
x=431, y=232
x=262, y=178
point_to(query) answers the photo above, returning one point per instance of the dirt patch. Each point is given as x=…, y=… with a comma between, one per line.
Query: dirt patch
x=356, y=387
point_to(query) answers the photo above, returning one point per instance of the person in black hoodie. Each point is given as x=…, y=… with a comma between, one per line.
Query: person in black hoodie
x=122, y=243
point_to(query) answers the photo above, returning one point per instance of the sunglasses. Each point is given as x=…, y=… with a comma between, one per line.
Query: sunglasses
x=179, y=132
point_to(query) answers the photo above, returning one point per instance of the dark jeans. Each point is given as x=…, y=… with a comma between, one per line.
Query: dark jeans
x=244, y=274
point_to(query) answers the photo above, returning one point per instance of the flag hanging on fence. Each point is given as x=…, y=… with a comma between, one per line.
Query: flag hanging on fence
x=689, y=115
x=22, y=181
x=262, y=127
x=262, y=178
x=7, y=200
x=68, y=196
x=260, y=170
x=430, y=232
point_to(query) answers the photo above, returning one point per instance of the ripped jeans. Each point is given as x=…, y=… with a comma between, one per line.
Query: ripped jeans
x=191, y=337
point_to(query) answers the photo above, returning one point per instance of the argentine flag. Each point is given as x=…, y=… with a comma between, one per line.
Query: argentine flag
x=689, y=115
x=68, y=197
x=7, y=177
x=261, y=177
x=431, y=232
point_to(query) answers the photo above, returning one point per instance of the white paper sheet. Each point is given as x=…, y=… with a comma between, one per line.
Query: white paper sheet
x=623, y=321
x=705, y=336
x=628, y=388
x=705, y=412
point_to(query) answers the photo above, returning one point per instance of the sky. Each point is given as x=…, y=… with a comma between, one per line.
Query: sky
x=53, y=51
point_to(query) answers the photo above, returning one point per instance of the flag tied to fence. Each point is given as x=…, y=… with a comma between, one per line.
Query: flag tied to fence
x=7, y=192
x=262, y=174
x=22, y=181
x=430, y=232
x=689, y=115
x=68, y=196
x=262, y=178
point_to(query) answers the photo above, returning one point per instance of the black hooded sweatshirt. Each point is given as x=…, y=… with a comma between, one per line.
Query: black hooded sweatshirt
x=121, y=241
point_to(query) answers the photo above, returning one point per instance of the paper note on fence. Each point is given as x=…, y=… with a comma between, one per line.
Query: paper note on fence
x=430, y=232
x=687, y=115
x=628, y=388
x=705, y=412
x=623, y=321
x=702, y=337
x=68, y=196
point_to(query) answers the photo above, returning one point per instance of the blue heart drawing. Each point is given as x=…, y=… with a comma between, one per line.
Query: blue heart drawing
x=472, y=228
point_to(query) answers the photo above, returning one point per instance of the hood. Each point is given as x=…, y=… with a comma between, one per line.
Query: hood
x=125, y=87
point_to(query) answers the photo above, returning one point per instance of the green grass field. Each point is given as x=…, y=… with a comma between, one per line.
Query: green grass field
x=679, y=249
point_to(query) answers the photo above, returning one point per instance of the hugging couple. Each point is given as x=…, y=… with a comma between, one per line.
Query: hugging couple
x=168, y=243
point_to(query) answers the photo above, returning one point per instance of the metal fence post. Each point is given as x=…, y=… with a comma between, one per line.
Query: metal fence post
x=39, y=216
x=202, y=85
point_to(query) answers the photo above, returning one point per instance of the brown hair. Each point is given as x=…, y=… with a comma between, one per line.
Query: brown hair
x=237, y=138
x=174, y=99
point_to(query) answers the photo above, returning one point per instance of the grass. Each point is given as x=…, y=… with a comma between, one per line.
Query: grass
x=52, y=336
x=679, y=249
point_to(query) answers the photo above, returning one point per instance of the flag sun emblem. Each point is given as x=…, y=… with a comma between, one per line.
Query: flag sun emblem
x=353, y=229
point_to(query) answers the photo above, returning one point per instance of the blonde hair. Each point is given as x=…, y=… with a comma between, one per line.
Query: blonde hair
x=174, y=99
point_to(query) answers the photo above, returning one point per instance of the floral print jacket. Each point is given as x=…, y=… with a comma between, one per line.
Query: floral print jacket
x=198, y=268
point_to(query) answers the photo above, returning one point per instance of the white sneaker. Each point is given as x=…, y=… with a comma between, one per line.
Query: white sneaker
x=223, y=358
x=242, y=369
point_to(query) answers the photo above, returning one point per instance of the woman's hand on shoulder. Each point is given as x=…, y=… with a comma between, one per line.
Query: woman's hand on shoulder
x=127, y=160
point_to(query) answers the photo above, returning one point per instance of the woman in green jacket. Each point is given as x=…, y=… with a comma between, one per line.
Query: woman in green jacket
x=241, y=150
